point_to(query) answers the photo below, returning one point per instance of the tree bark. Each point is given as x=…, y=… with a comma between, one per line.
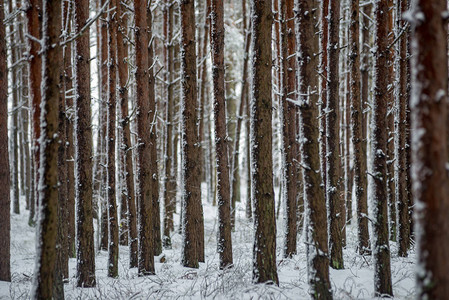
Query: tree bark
x=429, y=146
x=145, y=163
x=264, y=251
x=5, y=200
x=45, y=278
x=224, y=246
x=314, y=198
x=83, y=156
x=379, y=134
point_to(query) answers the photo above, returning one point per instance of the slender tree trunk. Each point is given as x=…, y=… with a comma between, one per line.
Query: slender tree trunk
x=264, y=252
x=111, y=180
x=379, y=134
x=401, y=131
x=333, y=162
x=288, y=124
x=83, y=166
x=44, y=277
x=224, y=246
x=359, y=157
x=324, y=39
x=5, y=201
x=145, y=164
x=314, y=198
x=429, y=146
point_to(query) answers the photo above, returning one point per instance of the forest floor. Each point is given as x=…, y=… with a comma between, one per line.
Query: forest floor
x=172, y=281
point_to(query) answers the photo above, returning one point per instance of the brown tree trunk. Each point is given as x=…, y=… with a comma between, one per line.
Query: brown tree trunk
x=191, y=194
x=264, y=251
x=314, y=198
x=288, y=124
x=358, y=142
x=5, y=201
x=224, y=246
x=323, y=86
x=333, y=163
x=111, y=180
x=429, y=147
x=145, y=163
x=379, y=134
x=365, y=66
x=157, y=241
x=44, y=279
x=401, y=131
x=83, y=166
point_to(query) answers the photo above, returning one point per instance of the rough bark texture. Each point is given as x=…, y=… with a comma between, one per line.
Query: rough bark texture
x=314, y=199
x=170, y=171
x=333, y=163
x=224, y=246
x=379, y=134
x=262, y=193
x=191, y=174
x=45, y=277
x=324, y=39
x=429, y=146
x=144, y=174
x=401, y=100
x=83, y=152
x=157, y=241
x=111, y=180
x=288, y=124
x=5, y=201
x=358, y=142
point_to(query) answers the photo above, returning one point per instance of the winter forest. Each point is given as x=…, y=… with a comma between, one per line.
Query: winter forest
x=229, y=149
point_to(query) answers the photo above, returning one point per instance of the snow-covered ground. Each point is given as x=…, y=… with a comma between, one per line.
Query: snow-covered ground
x=172, y=281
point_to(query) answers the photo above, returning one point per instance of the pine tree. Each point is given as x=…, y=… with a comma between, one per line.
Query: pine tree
x=262, y=193
x=224, y=246
x=314, y=198
x=429, y=146
x=83, y=151
x=379, y=134
x=5, y=201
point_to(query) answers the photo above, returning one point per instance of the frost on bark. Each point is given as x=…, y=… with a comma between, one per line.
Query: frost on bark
x=83, y=151
x=358, y=141
x=262, y=193
x=111, y=164
x=288, y=124
x=401, y=100
x=379, y=134
x=324, y=39
x=157, y=241
x=5, y=201
x=224, y=246
x=190, y=172
x=314, y=199
x=45, y=278
x=333, y=163
x=429, y=146
x=131, y=214
x=144, y=174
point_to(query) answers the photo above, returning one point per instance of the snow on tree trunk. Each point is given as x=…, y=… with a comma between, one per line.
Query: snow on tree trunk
x=314, y=198
x=429, y=146
x=83, y=152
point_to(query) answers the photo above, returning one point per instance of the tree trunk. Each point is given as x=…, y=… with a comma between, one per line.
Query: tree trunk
x=429, y=146
x=379, y=139
x=288, y=124
x=145, y=164
x=401, y=131
x=111, y=180
x=83, y=166
x=224, y=246
x=314, y=198
x=333, y=162
x=323, y=86
x=264, y=251
x=5, y=201
x=358, y=142
x=44, y=279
